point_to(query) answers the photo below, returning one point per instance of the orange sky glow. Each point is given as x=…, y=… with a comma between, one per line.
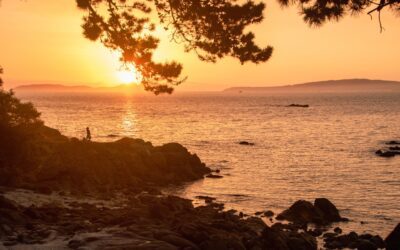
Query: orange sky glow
x=42, y=42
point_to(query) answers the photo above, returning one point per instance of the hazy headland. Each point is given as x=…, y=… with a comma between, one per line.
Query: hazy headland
x=330, y=86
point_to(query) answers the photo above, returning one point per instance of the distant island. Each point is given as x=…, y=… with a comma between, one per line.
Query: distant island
x=345, y=85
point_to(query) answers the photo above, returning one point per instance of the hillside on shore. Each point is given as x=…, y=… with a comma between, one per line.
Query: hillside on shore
x=345, y=85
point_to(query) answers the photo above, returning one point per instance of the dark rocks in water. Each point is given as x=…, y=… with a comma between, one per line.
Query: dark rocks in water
x=294, y=105
x=393, y=143
x=329, y=211
x=301, y=212
x=315, y=232
x=337, y=230
x=214, y=176
x=393, y=239
x=353, y=240
x=112, y=136
x=386, y=154
x=321, y=212
x=269, y=213
x=246, y=143
x=207, y=199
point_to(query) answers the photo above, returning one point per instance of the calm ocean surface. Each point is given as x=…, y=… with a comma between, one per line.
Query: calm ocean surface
x=326, y=150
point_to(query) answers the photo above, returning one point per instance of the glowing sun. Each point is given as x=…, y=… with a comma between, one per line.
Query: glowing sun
x=128, y=77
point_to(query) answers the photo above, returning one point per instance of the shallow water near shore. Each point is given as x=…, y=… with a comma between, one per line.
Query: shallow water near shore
x=326, y=150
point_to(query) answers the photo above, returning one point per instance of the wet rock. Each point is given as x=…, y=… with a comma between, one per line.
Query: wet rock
x=330, y=235
x=112, y=136
x=255, y=223
x=321, y=212
x=207, y=199
x=386, y=154
x=378, y=241
x=329, y=211
x=392, y=241
x=338, y=230
x=294, y=105
x=315, y=232
x=393, y=143
x=366, y=245
x=269, y=213
x=246, y=143
x=214, y=176
x=301, y=212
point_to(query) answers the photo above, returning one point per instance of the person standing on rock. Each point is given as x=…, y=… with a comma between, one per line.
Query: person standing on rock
x=88, y=134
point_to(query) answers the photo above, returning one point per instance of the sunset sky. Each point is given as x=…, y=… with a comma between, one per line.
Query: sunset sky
x=41, y=42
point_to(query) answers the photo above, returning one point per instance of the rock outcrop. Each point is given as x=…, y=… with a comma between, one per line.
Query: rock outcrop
x=61, y=163
x=393, y=239
x=321, y=212
x=246, y=143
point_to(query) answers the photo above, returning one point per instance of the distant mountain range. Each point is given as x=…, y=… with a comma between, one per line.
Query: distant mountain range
x=77, y=88
x=345, y=85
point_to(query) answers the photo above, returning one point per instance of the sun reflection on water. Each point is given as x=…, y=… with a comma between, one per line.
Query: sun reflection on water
x=128, y=123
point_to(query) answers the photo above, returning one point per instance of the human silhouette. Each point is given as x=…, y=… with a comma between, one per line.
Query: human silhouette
x=88, y=134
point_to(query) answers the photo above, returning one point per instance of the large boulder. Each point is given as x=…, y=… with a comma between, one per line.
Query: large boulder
x=321, y=212
x=393, y=239
x=301, y=212
x=329, y=211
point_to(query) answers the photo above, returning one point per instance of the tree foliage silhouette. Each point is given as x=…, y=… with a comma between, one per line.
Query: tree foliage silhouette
x=13, y=112
x=212, y=28
x=317, y=12
x=18, y=120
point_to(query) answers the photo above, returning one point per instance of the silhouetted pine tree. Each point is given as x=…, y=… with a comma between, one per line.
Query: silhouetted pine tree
x=211, y=28
x=317, y=12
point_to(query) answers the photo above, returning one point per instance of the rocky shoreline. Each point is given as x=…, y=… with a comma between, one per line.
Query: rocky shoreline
x=89, y=195
x=151, y=220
